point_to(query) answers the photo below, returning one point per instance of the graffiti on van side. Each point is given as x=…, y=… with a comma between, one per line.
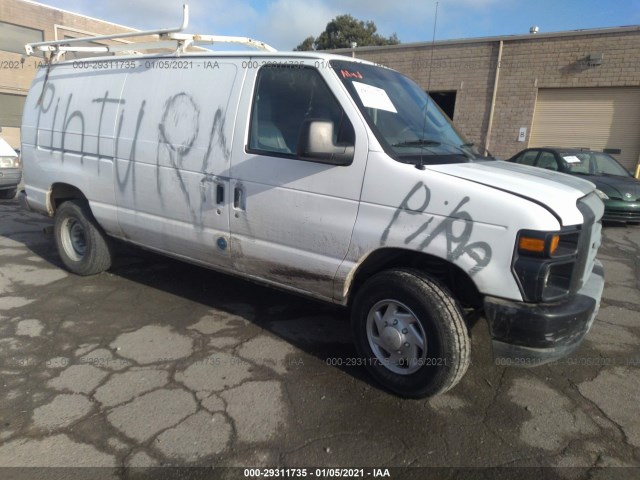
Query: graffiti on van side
x=216, y=136
x=68, y=118
x=177, y=131
x=44, y=106
x=130, y=173
x=457, y=243
x=75, y=116
x=104, y=101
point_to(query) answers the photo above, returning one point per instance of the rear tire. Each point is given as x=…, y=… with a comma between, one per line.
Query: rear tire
x=8, y=194
x=82, y=244
x=410, y=333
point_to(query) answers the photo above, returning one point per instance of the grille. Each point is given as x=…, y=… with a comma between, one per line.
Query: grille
x=622, y=214
x=592, y=209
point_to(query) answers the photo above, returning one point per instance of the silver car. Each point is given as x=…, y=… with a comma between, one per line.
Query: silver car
x=10, y=171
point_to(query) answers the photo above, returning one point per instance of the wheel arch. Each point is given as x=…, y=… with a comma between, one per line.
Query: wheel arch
x=453, y=277
x=61, y=192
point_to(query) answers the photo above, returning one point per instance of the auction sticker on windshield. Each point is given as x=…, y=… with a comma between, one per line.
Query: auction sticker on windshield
x=374, y=97
x=572, y=159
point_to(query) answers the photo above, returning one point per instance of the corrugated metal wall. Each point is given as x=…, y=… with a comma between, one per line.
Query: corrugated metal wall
x=597, y=118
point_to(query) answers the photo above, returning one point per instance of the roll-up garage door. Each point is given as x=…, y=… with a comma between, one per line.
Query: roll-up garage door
x=597, y=118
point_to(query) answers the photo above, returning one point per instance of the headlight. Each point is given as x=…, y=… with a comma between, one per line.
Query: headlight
x=543, y=263
x=601, y=194
x=9, y=162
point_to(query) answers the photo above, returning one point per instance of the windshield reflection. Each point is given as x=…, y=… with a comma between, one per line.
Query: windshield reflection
x=594, y=163
x=407, y=122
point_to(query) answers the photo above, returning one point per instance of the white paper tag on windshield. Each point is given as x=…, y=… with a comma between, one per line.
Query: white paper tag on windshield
x=572, y=159
x=374, y=97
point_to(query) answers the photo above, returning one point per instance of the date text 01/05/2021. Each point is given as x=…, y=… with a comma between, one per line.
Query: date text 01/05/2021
x=317, y=472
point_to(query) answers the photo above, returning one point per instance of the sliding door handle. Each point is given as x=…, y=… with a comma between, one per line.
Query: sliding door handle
x=219, y=194
x=238, y=198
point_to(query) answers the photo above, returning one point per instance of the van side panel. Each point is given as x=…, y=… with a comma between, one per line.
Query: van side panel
x=68, y=133
x=173, y=146
x=462, y=222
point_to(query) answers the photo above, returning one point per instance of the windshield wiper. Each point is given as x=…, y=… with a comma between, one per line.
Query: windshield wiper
x=423, y=142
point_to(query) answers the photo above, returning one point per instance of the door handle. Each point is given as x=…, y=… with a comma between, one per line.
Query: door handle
x=219, y=194
x=238, y=198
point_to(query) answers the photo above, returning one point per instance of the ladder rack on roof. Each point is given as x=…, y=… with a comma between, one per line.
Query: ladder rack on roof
x=168, y=38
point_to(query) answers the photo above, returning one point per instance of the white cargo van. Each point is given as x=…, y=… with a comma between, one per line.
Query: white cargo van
x=324, y=175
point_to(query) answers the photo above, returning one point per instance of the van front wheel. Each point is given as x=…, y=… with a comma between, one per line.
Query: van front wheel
x=410, y=333
x=82, y=245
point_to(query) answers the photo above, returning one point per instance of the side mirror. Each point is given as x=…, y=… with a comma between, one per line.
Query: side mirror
x=316, y=144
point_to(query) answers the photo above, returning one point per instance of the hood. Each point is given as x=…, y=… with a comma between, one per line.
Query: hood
x=557, y=191
x=626, y=188
x=6, y=150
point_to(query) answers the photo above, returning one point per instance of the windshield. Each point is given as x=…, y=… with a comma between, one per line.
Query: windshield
x=407, y=122
x=594, y=163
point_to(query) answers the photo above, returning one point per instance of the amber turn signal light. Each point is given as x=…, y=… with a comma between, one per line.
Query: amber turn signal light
x=555, y=240
x=537, y=245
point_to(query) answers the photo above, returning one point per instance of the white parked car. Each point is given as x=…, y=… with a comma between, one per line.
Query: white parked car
x=10, y=171
x=323, y=175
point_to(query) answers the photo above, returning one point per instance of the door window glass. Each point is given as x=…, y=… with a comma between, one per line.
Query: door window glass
x=285, y=97
x=547, y=160
x=528, y=157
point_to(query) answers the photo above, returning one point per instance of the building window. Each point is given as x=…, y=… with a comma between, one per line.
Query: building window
x=14, y=37
x=11, y=107
x=446, y=101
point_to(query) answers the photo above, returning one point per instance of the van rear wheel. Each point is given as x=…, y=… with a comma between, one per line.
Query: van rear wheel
x=410, y=333
x=82, y=245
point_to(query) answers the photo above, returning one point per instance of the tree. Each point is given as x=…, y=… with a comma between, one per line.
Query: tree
x=306, y=45
x=342, y=31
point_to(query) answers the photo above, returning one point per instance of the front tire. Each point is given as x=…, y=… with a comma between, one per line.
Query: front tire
x=82, y=245
x=410, y=333
x=8, y=194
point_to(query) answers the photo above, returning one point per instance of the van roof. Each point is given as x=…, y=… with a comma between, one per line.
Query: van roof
x=311, y=55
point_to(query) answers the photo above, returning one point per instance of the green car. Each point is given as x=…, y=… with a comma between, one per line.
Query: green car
x=617, y=188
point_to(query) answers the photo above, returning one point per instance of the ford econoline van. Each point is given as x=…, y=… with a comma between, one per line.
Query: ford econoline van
x=324, y=175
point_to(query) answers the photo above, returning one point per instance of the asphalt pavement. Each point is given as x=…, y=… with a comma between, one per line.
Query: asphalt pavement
x=160, y=363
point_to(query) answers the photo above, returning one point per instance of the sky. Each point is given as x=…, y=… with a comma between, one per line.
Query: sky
x=285, y=23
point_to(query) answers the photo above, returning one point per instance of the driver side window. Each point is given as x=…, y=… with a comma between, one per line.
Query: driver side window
x=285, y=97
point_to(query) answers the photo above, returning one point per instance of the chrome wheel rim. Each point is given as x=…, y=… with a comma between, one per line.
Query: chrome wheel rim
x=74, y=241
x=396, y=337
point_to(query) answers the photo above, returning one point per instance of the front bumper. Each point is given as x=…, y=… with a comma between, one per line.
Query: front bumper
x=528, y=334
x=619, y=210
x=10, y=177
